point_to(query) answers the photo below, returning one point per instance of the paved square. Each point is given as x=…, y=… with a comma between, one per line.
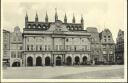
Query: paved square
x=65, y=72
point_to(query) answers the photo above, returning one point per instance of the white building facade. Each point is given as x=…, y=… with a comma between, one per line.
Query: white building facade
x=55, y=46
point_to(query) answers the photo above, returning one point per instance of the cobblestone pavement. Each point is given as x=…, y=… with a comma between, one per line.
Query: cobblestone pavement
x=65, y=72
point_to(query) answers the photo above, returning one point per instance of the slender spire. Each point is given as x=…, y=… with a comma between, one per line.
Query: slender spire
x=26, y=20
x=36, y=18
x=46, y=17
x=56, y=16
x=73, y=20
x=65, y=18
x=26, y=17
x=82, y=20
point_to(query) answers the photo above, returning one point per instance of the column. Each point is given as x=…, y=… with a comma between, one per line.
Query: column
x=72, y=59
x=24, y=44
x=81, y=59
x=10, y=58
x=54, y=60
x=62, y=59
x=25, y=60
x=34, y=60
x=43, y=59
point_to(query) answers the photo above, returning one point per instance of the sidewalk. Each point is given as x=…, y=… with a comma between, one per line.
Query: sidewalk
x=59, y=71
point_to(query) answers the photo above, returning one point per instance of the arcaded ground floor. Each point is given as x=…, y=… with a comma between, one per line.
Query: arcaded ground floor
x=65, y=72
x=31, y=59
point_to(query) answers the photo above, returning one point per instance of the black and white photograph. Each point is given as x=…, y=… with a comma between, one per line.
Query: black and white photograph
x=64, y=40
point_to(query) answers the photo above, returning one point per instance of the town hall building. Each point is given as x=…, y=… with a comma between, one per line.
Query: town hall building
x=55, y=43
x=58, y=43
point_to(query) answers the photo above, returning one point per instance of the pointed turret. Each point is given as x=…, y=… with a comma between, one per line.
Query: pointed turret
x=26, y=17
x=46, y=17
x=36, y=18
x=26, y=20
x=56, y=16
x=73, y=20
x=65, y=18
x=82, y=20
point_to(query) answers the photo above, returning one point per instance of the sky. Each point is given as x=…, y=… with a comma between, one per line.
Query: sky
x=101, y=14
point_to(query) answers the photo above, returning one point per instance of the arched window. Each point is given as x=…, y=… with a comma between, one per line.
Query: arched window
x=38, y=61
x=29, y=26
x=34, y=26
x=68, y=27
x=44, y=27
x=39, y=26
x=47, y=61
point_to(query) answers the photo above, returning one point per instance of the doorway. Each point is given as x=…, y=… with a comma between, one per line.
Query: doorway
x=29, y=61
x=47, y=61
x=38, y=61
x=58, y=61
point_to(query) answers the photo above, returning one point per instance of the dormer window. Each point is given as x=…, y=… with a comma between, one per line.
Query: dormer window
x=34, y=26
x=59, y=29
x=29, y=26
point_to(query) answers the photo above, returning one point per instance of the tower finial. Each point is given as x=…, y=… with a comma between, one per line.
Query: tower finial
x=36, y=18
x=46, y=17
x=26, y=20
x=56, y=16
x=36, y=15
x=26, y=14
x=82, y=20
x=73, y=20
x=65, y=18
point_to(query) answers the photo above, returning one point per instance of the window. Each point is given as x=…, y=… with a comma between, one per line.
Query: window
x=29, y=26
x=20, y=47
x=104, y=52
x=40, y=48
x=59, y=29
x=49, y=47
x=75, y=47
x=104, y=46
x=108, y=36
x=34, y=26
x=13, y=54
x=19, y=55
x=45, y=47
x=36, y=47
x=85, y=47
x=111, y=52
x=82, y=40
x=28, y=39
x=67, y=40
x=60, y=47
x=67, y=47
x=28, y=47
x=104, y=36
x=31, y=47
